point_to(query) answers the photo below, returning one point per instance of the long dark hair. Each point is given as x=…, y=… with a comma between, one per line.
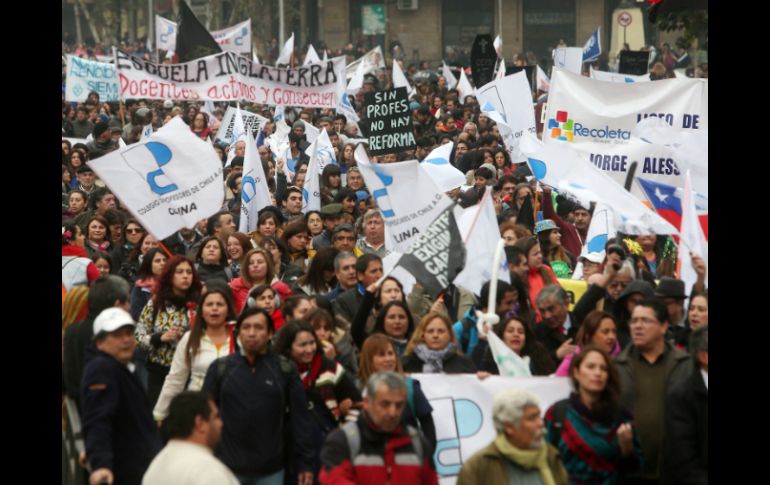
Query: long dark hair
x=379, y=324
x=541, y=361
x=610, y=396
x=323, y=261
x=289, y=332
x=145, y=269
x=222, y=250
x=590, y=325
x=199, y=325
x=164, y=292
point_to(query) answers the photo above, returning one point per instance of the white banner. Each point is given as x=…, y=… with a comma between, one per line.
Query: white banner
x=371, y=61
x=596, y=119
x=511, y=96
x=569, y=58
x=226, y=76
x=84, y=76
x=462, y=412
x=251, y=122
x=254, y=191
x=614, y=77
x=236, y=38
x=408, y=198
x=169, y=181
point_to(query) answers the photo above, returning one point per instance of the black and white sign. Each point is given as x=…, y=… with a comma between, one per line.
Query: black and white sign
x=389, y=121
x=634, y=62
x=483, y=59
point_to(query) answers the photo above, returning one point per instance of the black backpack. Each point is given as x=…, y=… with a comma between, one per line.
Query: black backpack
x=559, y=413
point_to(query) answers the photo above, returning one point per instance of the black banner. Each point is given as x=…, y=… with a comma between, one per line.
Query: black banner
x=635, y=63
x=437, y=256
x=483, y=60
x=389, y=121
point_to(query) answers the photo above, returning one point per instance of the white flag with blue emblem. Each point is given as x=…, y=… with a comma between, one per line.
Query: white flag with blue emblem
x=254, y=191
x=601, y=229
x=311, y=132
x=146, y=132
x=407, y=197
x=446, y=176
x=169, y=181
x=593, y=47
x=557, y=165
x=239, y=133
x=323, y=151
x=165, y=33
x=357, y=81
x=311, y=190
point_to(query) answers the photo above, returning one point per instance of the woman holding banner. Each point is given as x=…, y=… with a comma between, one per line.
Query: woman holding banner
x=517, y=335
x=433, y=348
x=539, y=275
x=594, y=435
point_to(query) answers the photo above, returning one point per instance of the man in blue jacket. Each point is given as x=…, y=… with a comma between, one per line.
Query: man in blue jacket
x=120, y=434
x=254, y=389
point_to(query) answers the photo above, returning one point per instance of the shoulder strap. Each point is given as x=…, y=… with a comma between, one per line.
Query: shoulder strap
x=559, y=413
x=416, y=442
x=221, y=374
x=410, y=396
x=229, y=272
x=353, y=436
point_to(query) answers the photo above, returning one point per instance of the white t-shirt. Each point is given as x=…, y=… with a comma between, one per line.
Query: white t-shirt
x=185, y=463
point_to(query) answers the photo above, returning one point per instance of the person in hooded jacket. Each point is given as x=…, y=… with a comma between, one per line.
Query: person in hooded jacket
x=76, y=267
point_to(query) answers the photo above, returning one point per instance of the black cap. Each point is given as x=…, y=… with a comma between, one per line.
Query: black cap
x=100, y=128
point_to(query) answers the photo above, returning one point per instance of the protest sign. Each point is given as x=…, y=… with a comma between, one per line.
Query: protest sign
x=634, y=62
x=226, y=76
x=84, y=76
x=406, y=195
x=390, y=121
x=597, y=118
x=462, y=412
x=251, y=123
x=575, y=290
x=483, y=59
x=437, y=255
x=371, y=61
x=236, y=38
x=569, y=58
x=168, y=181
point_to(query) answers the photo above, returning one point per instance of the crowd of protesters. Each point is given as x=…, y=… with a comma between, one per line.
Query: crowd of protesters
x=303, y=353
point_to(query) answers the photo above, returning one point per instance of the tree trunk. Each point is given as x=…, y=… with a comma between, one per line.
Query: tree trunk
x=87, y=14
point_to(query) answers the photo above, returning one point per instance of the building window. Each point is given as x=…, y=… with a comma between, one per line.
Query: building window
x=462, y=24
x=546, y=23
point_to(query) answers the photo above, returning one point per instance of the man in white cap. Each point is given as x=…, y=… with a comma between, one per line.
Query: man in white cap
x=121, y=436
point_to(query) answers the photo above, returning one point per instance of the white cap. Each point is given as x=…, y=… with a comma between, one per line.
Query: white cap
x=112, y=319
x=168, y=104
x=593, y=257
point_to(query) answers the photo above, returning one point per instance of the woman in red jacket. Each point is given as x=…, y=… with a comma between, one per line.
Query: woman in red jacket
x=539, y=275
x=256, y=269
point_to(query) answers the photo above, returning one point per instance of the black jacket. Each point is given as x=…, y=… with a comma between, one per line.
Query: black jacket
x=346, y=306
x=686, y=446
x=454, y=363
x=552, y=339
x=120, y=433
x=252, y=399
x=77, y=337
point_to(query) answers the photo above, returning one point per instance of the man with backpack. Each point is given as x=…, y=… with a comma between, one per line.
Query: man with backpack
x=263, y=407
x=378, y=448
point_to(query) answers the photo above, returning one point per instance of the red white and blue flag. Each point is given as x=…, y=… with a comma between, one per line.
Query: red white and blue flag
x=667, y=201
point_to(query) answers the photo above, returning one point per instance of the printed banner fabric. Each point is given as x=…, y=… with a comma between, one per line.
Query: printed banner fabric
x=84, y=76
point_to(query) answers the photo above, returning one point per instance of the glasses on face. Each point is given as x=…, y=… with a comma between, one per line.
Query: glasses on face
x=134, y=230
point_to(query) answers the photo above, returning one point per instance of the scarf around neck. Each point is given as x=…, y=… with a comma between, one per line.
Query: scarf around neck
x=527, y=459
x=433, y=360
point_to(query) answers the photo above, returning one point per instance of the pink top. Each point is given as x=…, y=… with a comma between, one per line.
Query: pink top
x=563, y=370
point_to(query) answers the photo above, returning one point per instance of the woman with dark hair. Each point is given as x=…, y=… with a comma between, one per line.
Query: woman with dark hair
x=77, y=203
x=76, y=158
x=598, y=329
x=315, y=223
x=503, y=161
x=375, y=298
x=319, y=275
x=331, y=393
x=539, y=275
x=295, y=238
x=165, y=318
x=396, y=322
x=593, y=433
x=147, y=279
x=131, y=235
x=331, y=182
x=697, y=316
x=561, y=261
x=378, y=354
x=517, y=335
x=76, y=266
x=257, y=269
x=659, y=254
x=268, y=225
x=200, y=125
x=98, y=236
x=522, y=308
x=347, y=197
x=129, y=269
x=211, y=261
x=264, y=296
x=433, y=348
x=238, y=244
x=347, y=157
x=209, y=339
x=335, y=341
x=103, y=263
x=296, y=307
x=288, y=273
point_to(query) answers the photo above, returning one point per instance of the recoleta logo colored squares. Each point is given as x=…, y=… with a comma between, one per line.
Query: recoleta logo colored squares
x=564, y=128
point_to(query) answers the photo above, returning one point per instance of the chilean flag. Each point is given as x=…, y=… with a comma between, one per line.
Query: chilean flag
x=667, y=201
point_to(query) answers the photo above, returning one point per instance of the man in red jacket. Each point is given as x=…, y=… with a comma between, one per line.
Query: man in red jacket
x=365, y=452
x=573, y=235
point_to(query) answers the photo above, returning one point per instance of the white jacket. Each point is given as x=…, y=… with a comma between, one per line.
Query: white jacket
x=74, y=271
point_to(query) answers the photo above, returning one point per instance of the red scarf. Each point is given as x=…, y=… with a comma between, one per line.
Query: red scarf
x=312, y=369
x=72, y=250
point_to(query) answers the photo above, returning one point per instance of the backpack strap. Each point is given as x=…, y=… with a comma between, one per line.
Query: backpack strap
x=410, y=396
x=559, y=414
x=353, y=436
x=416, y=442
x=229, y=272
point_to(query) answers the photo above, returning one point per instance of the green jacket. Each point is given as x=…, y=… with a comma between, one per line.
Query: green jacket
x=486, y=466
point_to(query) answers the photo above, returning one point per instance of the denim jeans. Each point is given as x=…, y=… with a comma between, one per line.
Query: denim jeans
x=274, y=479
